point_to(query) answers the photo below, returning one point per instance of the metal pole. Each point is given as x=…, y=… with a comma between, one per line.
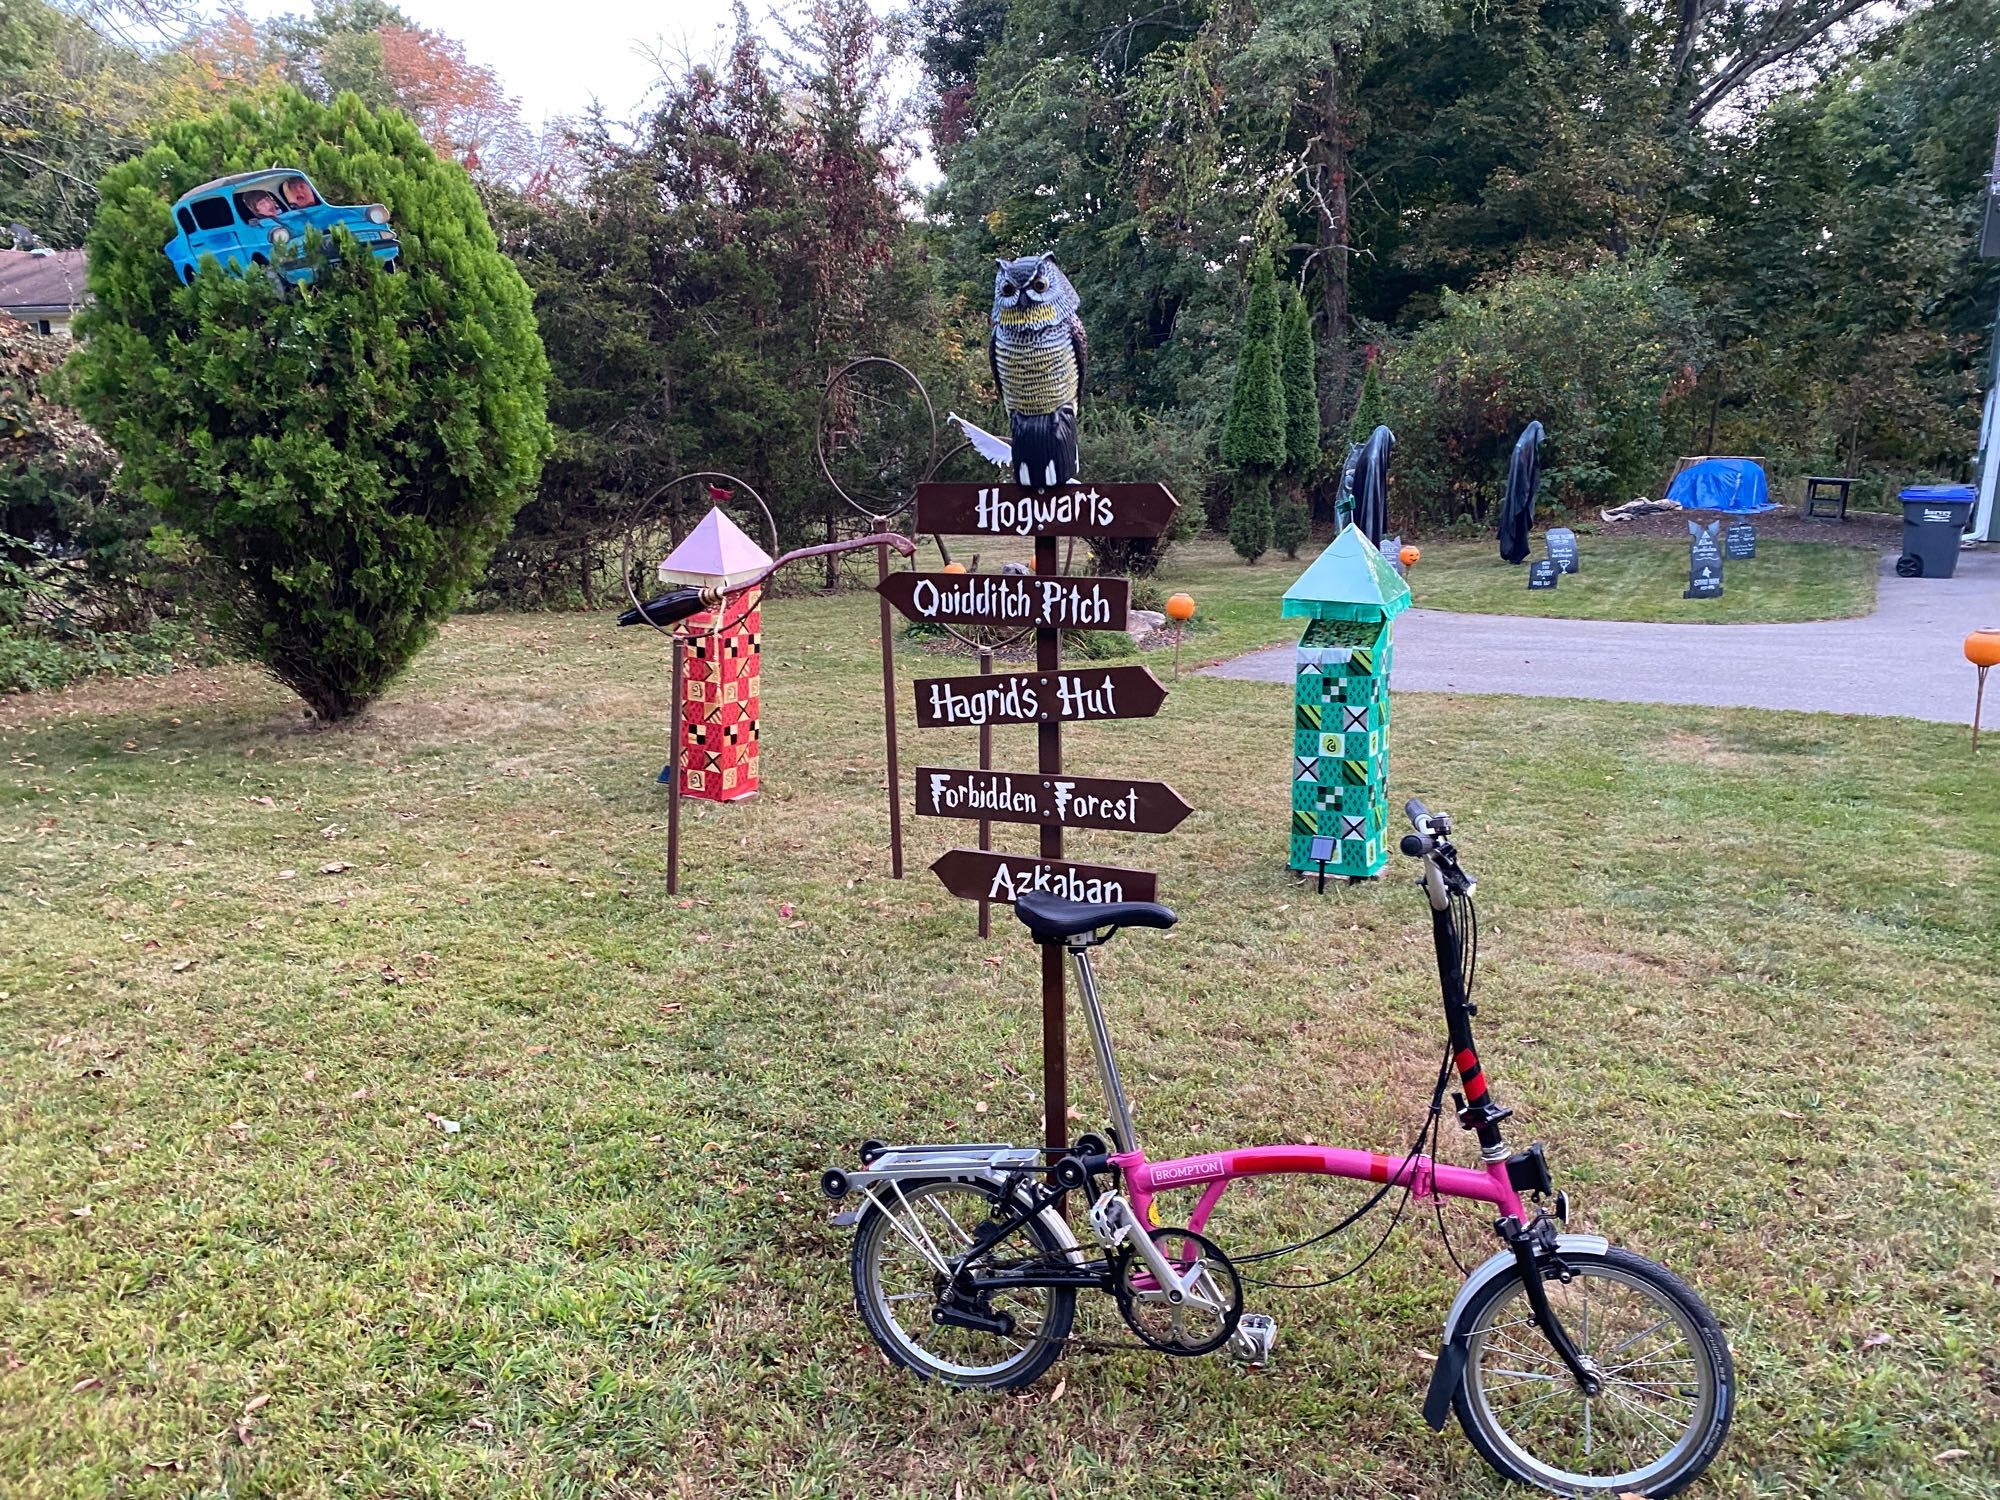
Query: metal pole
x=987, y=763
x=1048, y=746
x=674, y=779
x=889, y=709
x=1177, y=651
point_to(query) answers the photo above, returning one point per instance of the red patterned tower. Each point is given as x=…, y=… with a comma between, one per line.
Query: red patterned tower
x=717, y=753
x=718, y=750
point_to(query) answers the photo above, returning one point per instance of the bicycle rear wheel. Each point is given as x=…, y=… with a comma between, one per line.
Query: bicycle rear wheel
x=901, y=1260
x=1669, y=1385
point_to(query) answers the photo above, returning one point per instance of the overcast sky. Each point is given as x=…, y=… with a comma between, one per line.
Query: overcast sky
x=555, y=56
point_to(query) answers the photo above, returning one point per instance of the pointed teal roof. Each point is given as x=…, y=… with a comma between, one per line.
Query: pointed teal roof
x=1348, y=581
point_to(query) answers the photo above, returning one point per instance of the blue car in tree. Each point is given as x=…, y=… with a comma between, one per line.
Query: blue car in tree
x=257, y=221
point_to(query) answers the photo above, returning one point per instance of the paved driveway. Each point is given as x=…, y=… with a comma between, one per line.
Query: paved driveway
x=1904, y=660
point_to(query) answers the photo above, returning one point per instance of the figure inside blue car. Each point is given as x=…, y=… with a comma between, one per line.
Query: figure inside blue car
x=299, y=193
x=258, y=204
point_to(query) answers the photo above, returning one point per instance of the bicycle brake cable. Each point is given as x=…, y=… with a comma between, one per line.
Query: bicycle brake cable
x=1426, y=1131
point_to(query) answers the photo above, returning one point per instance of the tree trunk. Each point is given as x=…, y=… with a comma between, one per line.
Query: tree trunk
x=1326, y=157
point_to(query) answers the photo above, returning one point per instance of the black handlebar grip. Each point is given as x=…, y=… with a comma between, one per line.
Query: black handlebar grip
x=1417, y=813
x=1415, y=845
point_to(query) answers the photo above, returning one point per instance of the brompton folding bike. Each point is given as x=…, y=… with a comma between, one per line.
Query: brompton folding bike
x=1572, y=1365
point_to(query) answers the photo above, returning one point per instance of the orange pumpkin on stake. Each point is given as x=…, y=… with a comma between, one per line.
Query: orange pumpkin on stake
x=1181, y=607
x=1408, y=556
x=954, y=567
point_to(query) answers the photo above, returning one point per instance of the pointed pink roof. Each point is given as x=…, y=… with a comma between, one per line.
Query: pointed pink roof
x=715, y=554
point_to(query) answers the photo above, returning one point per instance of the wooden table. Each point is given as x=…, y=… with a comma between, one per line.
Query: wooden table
x=1822, y=490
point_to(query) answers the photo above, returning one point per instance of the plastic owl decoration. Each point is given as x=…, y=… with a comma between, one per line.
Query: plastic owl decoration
x=1038, y=353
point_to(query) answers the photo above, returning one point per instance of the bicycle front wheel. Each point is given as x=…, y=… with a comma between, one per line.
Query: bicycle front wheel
x=1669, y=1387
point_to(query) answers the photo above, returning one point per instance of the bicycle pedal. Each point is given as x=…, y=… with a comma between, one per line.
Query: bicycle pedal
x=1254, y=1339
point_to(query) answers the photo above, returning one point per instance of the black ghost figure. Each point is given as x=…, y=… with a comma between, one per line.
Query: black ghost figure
x=1517, y=511
x=1371, y=484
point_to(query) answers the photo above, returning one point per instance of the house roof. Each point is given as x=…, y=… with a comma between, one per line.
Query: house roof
x=716, y=553
x=236, y=179
x=1348, y=581
x=41, y=285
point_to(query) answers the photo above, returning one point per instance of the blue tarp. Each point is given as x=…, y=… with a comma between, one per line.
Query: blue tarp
x=1734, y=484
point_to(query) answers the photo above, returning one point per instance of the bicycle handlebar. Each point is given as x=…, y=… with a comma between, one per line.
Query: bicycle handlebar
x=1417, y=813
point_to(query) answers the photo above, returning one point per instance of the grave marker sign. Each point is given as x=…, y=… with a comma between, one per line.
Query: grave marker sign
x=1562, y=548
x=1740, y=540
x=1704, y=561
x=1544, y=573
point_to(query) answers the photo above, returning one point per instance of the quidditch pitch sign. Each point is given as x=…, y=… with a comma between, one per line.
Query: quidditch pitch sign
x=1009, y=600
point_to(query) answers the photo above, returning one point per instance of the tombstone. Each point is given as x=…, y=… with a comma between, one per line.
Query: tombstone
x=1740, y=540
x=1544, y=573
x=1704, y=561
x=1392, y=553
x=1562, y=547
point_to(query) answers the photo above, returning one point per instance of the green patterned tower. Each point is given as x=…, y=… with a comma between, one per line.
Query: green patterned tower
x=1340, y=739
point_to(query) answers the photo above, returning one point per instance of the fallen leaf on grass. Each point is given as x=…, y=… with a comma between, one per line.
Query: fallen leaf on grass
x=1951, y=1455
x=254, y=1403
x=1057, y=1393
x=785, y=909
x=88, y=1383
x=181, y=965
x=1875, y=1340
x=82, y=1212
x=538, y=1051
x=288, y=874
x=335, y=867
x=993, y=959
x=449, y=1127
x=240, y=1129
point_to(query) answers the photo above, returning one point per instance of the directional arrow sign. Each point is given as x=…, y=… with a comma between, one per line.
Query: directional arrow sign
x=1069, y=801
x=1009, y=599
x=1088, y=510
x=1038, y=697
x=979, y=875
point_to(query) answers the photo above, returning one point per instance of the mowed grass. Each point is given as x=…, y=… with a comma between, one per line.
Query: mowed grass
x=1642, y=578
x=1737, y=974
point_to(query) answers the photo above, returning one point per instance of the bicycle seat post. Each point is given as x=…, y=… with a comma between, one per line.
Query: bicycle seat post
x=1100, y=1043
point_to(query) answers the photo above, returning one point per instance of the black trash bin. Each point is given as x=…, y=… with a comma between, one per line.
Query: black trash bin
x=1934, y=517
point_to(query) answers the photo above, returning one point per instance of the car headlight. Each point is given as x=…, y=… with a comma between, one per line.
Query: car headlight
x=280, y=234
x=377, y=214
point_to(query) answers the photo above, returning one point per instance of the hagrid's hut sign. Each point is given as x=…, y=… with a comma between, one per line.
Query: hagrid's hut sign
x=1038, y=697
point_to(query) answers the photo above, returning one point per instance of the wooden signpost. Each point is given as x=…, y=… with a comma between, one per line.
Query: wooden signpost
x=1037, y=697
x=1068, y=801
x=983, y=875
x=1046, y=697
x=1010, y=601
x=1085, y=510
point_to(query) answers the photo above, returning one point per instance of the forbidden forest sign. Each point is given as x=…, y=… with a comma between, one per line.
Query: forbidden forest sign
x=1067, y=801
x=1038, y=697
x=984, y=875
x=1010, y=600
x=1084, y=510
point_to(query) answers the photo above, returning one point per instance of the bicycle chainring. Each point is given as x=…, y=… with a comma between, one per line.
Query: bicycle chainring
x=1199, y=1324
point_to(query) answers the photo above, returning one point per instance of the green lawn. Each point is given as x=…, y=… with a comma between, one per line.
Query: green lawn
x=1641, y=578
x=1738, y=974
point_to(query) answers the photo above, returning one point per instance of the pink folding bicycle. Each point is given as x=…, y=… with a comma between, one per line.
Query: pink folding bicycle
x=1574, y=1366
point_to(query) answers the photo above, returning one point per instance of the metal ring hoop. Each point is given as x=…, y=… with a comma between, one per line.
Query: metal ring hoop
x=881, y=519
x=640, y=510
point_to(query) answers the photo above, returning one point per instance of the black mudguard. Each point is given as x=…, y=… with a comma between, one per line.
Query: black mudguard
x=1444, y=1383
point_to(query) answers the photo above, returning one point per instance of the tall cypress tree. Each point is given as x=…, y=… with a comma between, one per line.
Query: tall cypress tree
x=1293, y=523
x=1253, y=432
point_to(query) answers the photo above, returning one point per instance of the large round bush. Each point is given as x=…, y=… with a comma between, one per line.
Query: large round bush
x=346, y=454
